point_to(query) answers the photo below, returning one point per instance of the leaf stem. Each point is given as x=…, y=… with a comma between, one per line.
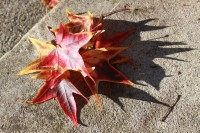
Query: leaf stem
x=170, y=109
x=116, y=11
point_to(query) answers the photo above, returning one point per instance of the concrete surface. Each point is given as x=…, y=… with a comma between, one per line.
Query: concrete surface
x=166, y=61
x=17, y=18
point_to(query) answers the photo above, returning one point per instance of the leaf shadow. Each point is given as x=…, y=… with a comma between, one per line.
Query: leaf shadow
x=144, y=52
x=144, y=69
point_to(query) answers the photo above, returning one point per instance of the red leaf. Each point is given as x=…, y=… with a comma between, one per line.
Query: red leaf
x=63, y=90
x=104, y=71
x=66, y=100
x=120, y=59
x=50, y=73
x=86, y=22
x=80, y=46
x=114, y=40
x=66, y=55
x=50, y=3
x=78, y=23
x=44, y=49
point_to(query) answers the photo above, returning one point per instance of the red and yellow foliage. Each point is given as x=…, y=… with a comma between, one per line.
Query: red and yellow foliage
x=80, y=46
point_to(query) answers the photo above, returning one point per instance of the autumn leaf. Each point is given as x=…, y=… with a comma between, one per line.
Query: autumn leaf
x=78, y=23
x=44, y=49
x=85, y=22
x=81, y=46
x=61, y=89
x=101, y=40
x=50, y=3
x=66, y=54
x=120, y=58
x=104, y=71
x=114, y=40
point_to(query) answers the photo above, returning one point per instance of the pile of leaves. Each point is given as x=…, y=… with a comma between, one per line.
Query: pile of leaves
x=82, y=46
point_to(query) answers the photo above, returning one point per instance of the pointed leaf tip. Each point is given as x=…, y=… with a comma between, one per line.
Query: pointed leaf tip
x=89, y=13
x=28, y=102
x=67, y=11
x=131, y=83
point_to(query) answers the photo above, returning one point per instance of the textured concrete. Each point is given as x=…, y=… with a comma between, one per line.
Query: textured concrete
x=17, y=18
x=166, y=61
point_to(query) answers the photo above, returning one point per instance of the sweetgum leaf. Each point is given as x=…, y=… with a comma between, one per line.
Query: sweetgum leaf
x=85, y=22
x=71, y=40
x=120, y=59
x=66, y=54
x=66, y=99
x=61, y=89
x=48, y=74
x=50, y=3
x=81, y=46
x=77, y=23
x=104, y=71
x=114, y=40
x=44, y=49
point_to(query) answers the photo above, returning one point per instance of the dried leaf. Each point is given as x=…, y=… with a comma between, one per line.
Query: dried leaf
x=50, y=3
x=66, y=54
x=61, y=89
x=79, y=46
x=104, y=71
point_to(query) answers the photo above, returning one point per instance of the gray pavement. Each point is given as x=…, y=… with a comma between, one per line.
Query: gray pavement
x=166, y=61
x=17, y=18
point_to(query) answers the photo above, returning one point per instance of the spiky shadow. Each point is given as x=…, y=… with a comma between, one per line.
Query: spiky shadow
x=143, y=53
